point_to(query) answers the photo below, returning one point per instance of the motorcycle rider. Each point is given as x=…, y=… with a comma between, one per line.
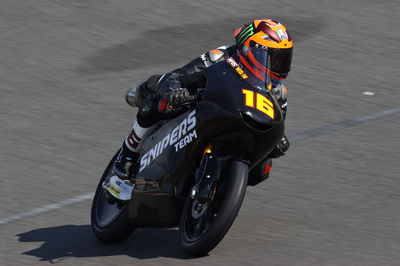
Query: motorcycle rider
x=173, y=88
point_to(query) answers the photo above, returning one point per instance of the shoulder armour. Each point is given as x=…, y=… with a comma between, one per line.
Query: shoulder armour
x=215, y=56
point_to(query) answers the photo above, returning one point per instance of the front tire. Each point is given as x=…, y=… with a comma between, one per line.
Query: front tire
x=201, y=232
x=109, y=220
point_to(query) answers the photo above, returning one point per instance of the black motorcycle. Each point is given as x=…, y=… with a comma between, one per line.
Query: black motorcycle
x=194, y=168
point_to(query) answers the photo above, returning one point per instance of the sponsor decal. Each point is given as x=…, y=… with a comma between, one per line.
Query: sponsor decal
x=282, y=34
x=235, y=66
x=189, y=137
x=179, y=137
x=232, y=62
x=115, y=190
x=245, y=34
x=241, y=73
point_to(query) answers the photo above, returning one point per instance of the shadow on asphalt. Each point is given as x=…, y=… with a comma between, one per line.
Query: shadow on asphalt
x=62, y=242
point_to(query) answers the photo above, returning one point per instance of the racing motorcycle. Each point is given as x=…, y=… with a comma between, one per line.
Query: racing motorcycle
x=193, y=169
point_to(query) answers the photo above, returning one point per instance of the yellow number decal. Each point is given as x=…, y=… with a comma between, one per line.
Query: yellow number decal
x=262, y=103
x=265, y=105
x=248, y=98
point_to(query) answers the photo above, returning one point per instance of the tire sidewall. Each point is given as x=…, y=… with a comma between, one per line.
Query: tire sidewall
x=229, y=209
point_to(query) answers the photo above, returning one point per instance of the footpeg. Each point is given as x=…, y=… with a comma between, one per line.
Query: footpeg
x=119, y=188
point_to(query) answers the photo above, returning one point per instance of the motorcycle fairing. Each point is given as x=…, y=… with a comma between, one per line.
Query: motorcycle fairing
x=223, y=117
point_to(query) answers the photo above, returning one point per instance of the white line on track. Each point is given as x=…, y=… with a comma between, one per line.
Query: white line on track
x=47, y=208
x=303, y=136
x=343, y=124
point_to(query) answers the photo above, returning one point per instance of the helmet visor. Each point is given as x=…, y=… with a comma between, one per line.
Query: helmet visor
x=280, y=61
x=266, y=63
x=254, y=61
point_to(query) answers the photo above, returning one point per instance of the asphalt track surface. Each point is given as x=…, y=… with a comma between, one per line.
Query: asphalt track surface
x=334, y=199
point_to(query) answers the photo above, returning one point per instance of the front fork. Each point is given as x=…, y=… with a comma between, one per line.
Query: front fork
x=206, y=177
x=209, y=172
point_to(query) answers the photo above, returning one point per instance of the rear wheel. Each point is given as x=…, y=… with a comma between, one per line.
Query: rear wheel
x=203, y=226
x=109, y=218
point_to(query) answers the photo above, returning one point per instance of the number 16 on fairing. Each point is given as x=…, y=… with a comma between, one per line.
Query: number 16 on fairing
x=259, y=102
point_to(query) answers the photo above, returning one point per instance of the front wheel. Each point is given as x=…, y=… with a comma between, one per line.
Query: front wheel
x=203, y=226
x=109, y=219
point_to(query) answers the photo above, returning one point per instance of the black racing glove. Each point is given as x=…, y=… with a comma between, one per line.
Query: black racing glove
x=280, y=149
x=178, y=96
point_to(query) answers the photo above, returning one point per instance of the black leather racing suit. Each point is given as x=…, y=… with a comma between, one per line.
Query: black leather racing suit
x=192, y=76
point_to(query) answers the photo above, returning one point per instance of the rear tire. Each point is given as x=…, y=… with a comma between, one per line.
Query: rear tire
x=110, y=221
x=199, y=236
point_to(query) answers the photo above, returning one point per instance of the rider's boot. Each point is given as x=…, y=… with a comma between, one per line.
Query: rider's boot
x=125, y=166
x=125, y=163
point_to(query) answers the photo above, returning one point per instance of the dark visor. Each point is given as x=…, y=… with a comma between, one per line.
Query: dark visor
x=280, y=60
